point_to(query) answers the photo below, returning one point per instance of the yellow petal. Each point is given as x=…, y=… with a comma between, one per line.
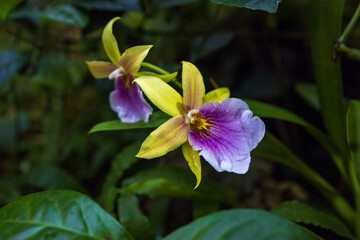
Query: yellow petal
x=193, y=159
x=100, y=69
x=161, y=94
x=164, y=77
x=133, y=57
x=109, y=42
x=169, y=136
x=217, y=95
x=193, y=86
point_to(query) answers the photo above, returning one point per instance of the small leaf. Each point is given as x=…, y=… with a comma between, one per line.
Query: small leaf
x=353, y=132
x=309, y=94
x=122, y=162
x=155, y=120
x=5, y=7
x=244, y=224
x=265, y=5
x=66, y=14
x=11, y=62
x=133, y=218
x=60, y=214
x=174, y=182
x=302, y=213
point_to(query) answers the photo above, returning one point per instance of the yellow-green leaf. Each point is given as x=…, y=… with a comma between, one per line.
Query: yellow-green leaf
x=169, y=136
x=217, y=95
x=110, y=43
x=193, y=159
x=161, y=94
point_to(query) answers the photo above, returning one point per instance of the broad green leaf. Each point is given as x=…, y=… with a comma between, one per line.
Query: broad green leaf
x=270, y=111
x=51, y=177
x=6, y=6
x=244, y=224
x=172, y=3
x=133, y=218
x=66, y=14
x=309, y=94
x=353, y=132
x=302, y=213
x=8, y=189
x=325, y=29
x=11, y=62
x=155, y=120
x=273, y=149
x=60, y=214
x=122, y=162
x=265, y=5
x=111, y=5
x=174, y=182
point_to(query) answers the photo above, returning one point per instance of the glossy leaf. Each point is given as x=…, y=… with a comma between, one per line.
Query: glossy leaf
x=133, y=218
x=155, y=120
x=265, y=5
x=302, y=213
x=60, y=214
x=176, y=183
x=11, y=62
x=123, y=160
x=353, y=132
x=6, y=6
x=244, y=224
x=66, y=14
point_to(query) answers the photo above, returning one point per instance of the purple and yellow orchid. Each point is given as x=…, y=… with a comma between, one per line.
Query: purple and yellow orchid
x=221, y=129
x=127, y=99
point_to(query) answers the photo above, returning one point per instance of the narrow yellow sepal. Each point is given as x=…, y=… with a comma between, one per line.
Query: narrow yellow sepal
x=193, y=86
x=100, y=69
x=133, y=57
x=193, y=159
x=217, y=95
x=110, y=43
x=169, y=136
x=161, y=95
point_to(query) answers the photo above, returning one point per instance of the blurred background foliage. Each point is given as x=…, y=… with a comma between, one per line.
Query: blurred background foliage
x=49, y=102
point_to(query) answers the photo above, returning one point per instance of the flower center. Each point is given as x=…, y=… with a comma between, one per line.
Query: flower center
x=120, y=72
x=197, y=121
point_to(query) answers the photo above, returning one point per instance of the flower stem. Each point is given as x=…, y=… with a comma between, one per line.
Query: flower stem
x=350, y=26
x=161, y=71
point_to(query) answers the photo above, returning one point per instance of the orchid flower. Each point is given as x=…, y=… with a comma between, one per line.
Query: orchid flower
x=221, y=129
x=127, y=99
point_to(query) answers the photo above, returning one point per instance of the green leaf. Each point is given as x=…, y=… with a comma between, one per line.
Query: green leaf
x=51, y=177
x=10, y=128
x=265, y=5
x=309, y=94
x=244, y=224
x=133, y=218
x=5, y=7
x=270, y=111
x=271, y=148
x=122, y=162
x=302, y=213
x=158, y=216
x=11, y=62
x=155, y=120
x=174, y=182
x=66, y=14
x=172, y=3
x=110, y=5
x=325, y=29
x=353, y=132
x=60, y=214
x=164, y=77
